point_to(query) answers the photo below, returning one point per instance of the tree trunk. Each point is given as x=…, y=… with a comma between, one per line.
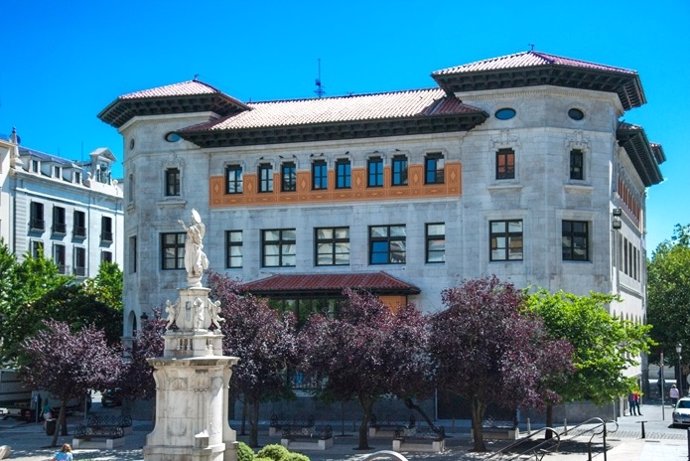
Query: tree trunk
x=60, y=422
x=254, y=423
x=549, y=421
x=478, y=409
x=367, y=403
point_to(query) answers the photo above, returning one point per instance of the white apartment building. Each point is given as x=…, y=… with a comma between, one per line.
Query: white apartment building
x=69, y=210
x=518, y=166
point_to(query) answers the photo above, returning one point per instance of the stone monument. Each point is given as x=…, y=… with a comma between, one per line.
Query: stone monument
x=192, y=377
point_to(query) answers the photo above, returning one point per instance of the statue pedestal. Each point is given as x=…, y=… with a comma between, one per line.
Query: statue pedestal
x=192, y=381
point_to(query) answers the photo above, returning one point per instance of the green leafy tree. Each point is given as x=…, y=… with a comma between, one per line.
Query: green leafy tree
x=107, y=286
x=603, y=346
x=668, y=294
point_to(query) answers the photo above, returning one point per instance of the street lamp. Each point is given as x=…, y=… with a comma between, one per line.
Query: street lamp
x=679, y=349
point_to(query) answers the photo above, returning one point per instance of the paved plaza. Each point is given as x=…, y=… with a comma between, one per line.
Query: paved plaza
x=29, y=442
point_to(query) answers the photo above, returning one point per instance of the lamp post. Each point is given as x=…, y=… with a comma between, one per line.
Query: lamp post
x=679, y=349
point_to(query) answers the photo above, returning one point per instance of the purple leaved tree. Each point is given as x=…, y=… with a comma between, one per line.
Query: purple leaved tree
x=367, y=351
x=488, y=351
x=68, y=364
x=262, y=338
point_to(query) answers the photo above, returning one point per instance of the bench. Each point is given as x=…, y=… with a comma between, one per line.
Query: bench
x=389, y=427
x=302, y=438
x=110, y=428
x=499, y=430
x=420, y=441
x=278, y=425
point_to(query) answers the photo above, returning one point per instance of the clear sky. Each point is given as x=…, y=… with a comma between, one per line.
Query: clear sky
x=64, y=61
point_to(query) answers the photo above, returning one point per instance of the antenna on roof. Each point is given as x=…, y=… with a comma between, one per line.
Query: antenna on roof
x=531, y=46
x=196, y=78
x=320, y=91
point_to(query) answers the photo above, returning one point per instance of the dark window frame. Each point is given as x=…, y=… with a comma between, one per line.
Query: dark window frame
x=375, y=172
x=505, y=163
x=172, y=250
x=319, y=175
x=433, y=173
x=334, y=244
x=133, y=257
x=234, y=179
x=36, y=216
x=288, y=177
x=399, y=170
x=59, y=220
x=59, y=257
x=282, y=243
x=79, y=257
x=577, y=164
x=571, y=234
x=79, y=224
x=173, y=182
x=230, y=259
x=430, y=240
x=508, y=236
x=265, y=174
x=106, y=229
x=385, y=245
x=343, y=174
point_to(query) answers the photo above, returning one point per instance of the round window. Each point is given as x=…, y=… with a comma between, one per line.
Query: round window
x=505, y=114
x=172, y=137
x=131, y=144
x=576, y=114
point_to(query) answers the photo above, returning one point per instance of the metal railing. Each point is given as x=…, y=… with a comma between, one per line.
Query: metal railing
x=537, y=450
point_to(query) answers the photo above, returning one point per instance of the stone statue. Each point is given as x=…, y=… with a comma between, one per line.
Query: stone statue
x=172, y=310
x=214, y=313
x=195, y=260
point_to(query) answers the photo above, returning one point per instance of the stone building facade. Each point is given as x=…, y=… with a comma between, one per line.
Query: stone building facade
x=518, y=166
x=71, y=211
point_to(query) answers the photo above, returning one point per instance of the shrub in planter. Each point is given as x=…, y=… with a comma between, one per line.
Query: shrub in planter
x=244, y=452
x=293, y=456
x=273, y=451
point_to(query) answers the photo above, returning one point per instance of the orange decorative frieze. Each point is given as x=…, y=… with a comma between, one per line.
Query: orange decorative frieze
x=359, y=191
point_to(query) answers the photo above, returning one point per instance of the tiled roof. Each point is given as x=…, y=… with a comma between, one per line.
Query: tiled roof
x=375, y=282
x=527, y=59
x=644, y=155
x=188, y=88
x=380, y=106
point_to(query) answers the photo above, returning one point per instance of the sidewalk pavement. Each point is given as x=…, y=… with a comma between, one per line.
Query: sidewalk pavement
x=29, y=442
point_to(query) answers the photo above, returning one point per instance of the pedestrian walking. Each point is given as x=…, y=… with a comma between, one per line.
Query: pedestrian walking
x=674, y=394
x=637, y=395
x=631, y=404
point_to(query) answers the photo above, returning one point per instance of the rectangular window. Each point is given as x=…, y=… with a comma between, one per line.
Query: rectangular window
x=172, y=182
x=59, y=222
x=106, y=257
x=233, y=248
x=319, y=175
x=375, y=172
x=37, y=249
x=233, y=179
x=35, y=166
x=343, y=174
x=77, y=177
x=399, y=167
x=332, y=246
x=36, y=219
x=106, y=229
x=79, y=225
x=506, y=240
x=387, y=244
x=433, y=168
x=278, y=248
x=505, y=164
x=575, y=235
x=132, y=254
x=172, y=250
x=577, y=164
x=79, y=261
x=265, y=177
x=288, y=177
x=59, y=257
x=57, y=170
x=436, y=243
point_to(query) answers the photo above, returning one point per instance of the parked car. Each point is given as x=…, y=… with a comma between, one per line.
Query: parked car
x=681, y=413
x=111, y=398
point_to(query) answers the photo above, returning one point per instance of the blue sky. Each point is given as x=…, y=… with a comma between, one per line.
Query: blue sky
x=65, y=61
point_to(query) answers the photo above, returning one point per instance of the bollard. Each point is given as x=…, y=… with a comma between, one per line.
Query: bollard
x=565, y=426
x=529, y=427
x=642, y=422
